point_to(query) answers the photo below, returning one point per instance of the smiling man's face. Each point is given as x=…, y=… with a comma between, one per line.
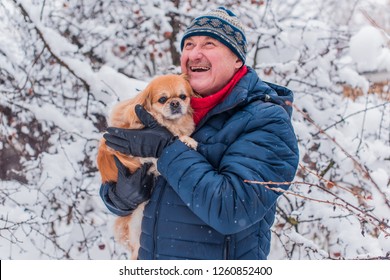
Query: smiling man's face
x=208, y=63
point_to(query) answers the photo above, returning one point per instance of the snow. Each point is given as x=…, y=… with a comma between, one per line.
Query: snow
x=369, y=50
x=57, y=213
x=352, y=77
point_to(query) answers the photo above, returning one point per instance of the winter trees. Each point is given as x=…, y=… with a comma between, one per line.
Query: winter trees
x=64, y=63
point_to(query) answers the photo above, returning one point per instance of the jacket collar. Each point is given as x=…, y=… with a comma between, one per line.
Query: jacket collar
x=251, y=88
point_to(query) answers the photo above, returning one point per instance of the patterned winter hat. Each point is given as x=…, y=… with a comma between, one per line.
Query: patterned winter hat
x=220, y=24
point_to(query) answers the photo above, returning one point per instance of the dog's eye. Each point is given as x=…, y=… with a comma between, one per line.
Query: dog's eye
x=162, y=100
x=182, y=97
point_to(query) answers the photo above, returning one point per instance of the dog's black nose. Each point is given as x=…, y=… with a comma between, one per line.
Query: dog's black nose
x=175, y=104
x=175, y=107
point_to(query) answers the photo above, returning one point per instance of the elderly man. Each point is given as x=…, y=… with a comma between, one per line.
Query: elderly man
x=201, y=206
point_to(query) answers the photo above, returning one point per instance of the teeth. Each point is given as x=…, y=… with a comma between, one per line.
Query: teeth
x=199, y=68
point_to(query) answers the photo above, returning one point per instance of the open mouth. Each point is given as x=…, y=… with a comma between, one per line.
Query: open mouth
x=199, y=68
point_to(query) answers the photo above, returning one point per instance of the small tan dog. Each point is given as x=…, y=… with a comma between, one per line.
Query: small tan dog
x=167, y=99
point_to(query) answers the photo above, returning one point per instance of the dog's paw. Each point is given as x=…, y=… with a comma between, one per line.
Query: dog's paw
x=153, y=168
x=190, y=142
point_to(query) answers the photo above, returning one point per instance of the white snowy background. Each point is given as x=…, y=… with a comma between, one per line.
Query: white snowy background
x=64, y=63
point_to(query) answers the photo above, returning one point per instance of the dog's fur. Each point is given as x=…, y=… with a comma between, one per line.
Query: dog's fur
x=167, y=99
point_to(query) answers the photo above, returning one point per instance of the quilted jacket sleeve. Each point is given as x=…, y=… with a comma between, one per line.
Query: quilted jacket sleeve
x=264, y=148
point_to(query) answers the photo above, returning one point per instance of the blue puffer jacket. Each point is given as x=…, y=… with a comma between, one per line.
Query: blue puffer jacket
x=201, y=208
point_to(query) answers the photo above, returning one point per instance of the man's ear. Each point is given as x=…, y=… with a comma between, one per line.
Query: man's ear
x=239, y=63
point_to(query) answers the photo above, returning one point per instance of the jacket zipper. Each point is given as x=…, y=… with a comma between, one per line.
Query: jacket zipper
x=158, y=206
x=226, y=248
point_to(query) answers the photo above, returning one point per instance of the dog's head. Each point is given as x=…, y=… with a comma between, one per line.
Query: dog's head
x=168, y=96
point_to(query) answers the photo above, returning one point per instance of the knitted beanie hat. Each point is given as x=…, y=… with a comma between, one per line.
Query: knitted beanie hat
x=222, y=25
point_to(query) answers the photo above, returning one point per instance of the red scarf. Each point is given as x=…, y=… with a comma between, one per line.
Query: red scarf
x=202, y=105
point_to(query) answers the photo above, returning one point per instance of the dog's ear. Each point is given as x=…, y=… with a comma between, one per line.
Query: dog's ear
x=146, y=97
x=188, y=86
x=127, y=112
x=143, y=96
x=185, y=77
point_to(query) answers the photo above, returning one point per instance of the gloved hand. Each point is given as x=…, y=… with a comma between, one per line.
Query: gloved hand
x=131, y=189
x=147, y=142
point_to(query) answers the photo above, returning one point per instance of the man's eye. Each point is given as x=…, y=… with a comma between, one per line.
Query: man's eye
x=162, y=100
x=210, y=43
x=188, y=45
x=182, y=97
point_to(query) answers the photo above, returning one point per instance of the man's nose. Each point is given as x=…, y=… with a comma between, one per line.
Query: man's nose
x=195, y=53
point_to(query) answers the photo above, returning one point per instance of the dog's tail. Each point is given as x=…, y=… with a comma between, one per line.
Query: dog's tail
x=127, y=230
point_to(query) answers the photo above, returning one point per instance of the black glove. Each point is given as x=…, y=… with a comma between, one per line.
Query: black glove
x=131, y=189
x=147, y=142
